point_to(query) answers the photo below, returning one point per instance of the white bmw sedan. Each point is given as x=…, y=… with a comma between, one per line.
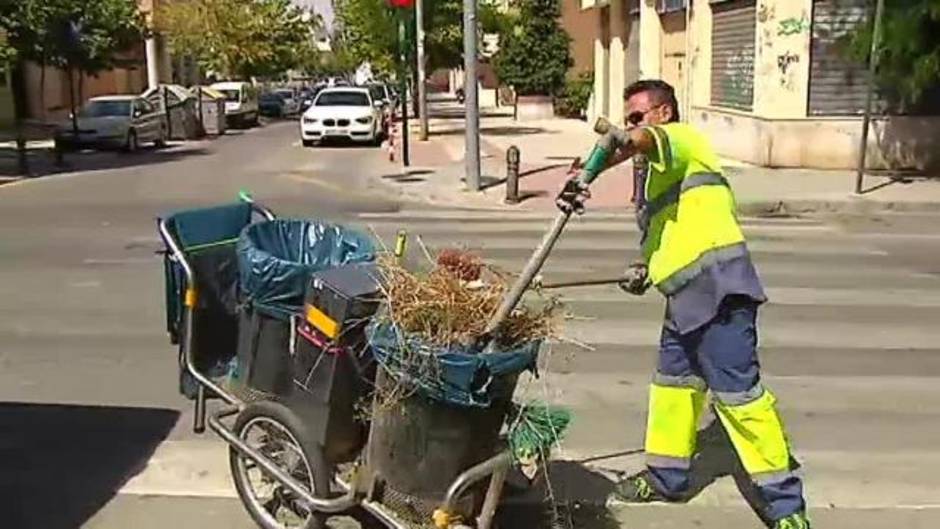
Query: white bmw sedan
x=342, y=113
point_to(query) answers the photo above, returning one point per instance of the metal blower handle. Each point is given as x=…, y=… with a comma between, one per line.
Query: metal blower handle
x=611, y=139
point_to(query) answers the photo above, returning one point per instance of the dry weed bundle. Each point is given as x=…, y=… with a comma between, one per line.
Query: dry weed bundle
x=452, y=303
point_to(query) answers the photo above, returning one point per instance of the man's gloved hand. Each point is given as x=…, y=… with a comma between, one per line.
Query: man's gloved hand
x=637, y=282
x=572, y=196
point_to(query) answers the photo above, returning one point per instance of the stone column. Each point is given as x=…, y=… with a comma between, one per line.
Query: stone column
x=701, y=54
x=651, y=32
x=601, y=64
x=617, y=60
x=782, y=58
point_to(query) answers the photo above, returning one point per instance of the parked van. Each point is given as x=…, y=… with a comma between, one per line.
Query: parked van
x=241, y=103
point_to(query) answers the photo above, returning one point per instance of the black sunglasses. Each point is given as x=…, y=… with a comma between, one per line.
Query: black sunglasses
x=635, y=118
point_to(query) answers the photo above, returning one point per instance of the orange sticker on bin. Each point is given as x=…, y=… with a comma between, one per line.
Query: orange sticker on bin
x=322, y=322
x=190, y=299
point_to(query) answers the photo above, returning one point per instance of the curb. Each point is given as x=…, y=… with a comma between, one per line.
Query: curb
x=849, y=205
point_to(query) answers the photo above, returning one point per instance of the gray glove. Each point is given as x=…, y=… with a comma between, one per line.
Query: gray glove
x=637, y=282
x=572, y=196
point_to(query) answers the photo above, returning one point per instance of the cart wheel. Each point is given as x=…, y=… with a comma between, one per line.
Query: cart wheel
x=278, y=433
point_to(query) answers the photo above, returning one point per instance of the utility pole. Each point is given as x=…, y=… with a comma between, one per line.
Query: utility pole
x=422, y=74
x=403, y=50
x=872, y=70
x=471, y=101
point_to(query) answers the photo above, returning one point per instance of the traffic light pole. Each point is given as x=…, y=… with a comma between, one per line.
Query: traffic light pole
x=403, y=47
x=471, y=101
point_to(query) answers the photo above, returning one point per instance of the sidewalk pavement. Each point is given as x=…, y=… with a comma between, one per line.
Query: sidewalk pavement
x=549, y=146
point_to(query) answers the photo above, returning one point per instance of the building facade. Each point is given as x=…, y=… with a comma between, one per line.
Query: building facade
x=764, y=78
x=146, y=64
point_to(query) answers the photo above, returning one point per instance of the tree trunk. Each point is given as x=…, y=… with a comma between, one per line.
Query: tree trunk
x=74, y=114
x=19, y=110
x=42, y=87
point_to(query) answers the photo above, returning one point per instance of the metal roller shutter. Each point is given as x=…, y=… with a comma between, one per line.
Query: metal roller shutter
x=836, y=85
x=734, y=32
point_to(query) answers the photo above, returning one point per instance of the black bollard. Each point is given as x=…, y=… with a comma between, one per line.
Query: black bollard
x=512, y=175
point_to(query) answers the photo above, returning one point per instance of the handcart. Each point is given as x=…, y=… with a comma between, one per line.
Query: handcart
x=299, y=451
x=298, y=455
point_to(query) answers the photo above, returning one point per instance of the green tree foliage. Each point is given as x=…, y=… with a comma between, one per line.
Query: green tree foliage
x=573, y=100
x=909, y=62
x=367, y=31
x=7, y=52
x=241, y=38
x=534, y=56
x=87, y=35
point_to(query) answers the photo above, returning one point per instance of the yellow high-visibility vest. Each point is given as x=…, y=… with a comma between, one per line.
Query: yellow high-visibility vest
x=689, y=215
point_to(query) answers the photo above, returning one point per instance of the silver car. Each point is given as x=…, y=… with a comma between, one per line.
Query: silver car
x=114, y=122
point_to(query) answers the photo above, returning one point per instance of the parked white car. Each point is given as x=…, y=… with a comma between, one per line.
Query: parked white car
x=241, y=102
x=344, y=113
x=121, y=121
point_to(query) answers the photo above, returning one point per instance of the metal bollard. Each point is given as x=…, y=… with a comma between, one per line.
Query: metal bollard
x=513, y=157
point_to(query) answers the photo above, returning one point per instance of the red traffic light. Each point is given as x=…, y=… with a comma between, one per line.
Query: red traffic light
x=401, y=4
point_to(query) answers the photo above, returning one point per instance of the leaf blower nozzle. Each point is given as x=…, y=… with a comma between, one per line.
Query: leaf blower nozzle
x=612, y=138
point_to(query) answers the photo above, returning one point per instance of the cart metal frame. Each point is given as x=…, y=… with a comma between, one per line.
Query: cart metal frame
x=354, y=493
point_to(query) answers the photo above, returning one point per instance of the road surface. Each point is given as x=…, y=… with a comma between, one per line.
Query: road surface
x=94, y=434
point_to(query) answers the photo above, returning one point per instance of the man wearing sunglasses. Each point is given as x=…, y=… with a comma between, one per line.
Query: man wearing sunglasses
x=694, y=253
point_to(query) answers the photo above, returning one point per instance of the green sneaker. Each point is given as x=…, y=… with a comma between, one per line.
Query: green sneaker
x=637, y=488
x=794, y=521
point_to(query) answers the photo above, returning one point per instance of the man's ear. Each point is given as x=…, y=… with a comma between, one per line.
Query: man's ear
x=667, y=114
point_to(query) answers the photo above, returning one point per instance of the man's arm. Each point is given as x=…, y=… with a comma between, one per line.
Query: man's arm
x=641, y=141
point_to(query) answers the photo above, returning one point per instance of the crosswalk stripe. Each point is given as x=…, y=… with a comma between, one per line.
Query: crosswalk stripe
x=847, y=343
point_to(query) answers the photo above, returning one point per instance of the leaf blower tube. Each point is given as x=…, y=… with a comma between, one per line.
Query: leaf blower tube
x=612, y=138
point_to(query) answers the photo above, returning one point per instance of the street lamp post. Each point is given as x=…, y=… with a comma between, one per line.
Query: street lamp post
x=402, y=7
x=872, y=70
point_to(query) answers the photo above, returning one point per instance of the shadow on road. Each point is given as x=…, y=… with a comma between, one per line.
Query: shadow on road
x=42, y=161
x=572, y=495
x=60, y=464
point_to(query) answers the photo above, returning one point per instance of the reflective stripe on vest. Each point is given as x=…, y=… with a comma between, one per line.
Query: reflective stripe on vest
x=681, y=277
x=671, y=195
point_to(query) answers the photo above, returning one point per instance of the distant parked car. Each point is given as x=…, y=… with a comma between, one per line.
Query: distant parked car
x=122, y=121
x=381, y=94
x=291, y=102
x=241, y=102
x=307, y=95
x=347, y=112
x=273, y=105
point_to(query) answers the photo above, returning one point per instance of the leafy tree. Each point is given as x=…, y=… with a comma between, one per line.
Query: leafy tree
x=533, y=55
x=368, y=31
x=909, y=62
x=7, y=52
x=242, y=38
x=83, y=35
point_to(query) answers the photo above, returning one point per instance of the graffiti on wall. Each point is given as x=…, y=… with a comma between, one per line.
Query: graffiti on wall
x=740, y=74
x=787, y=74
x=793, y=26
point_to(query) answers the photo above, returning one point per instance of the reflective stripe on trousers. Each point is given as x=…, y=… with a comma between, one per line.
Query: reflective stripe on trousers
x=672, y=425
x=756, y=431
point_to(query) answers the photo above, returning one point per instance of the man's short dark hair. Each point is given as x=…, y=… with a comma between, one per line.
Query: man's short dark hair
x=661, y=92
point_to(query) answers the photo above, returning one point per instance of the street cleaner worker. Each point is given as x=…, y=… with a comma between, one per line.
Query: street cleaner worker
x=694, y=253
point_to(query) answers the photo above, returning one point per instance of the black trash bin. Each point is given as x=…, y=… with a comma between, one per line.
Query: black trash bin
x=449, y=420
x=275, y=261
